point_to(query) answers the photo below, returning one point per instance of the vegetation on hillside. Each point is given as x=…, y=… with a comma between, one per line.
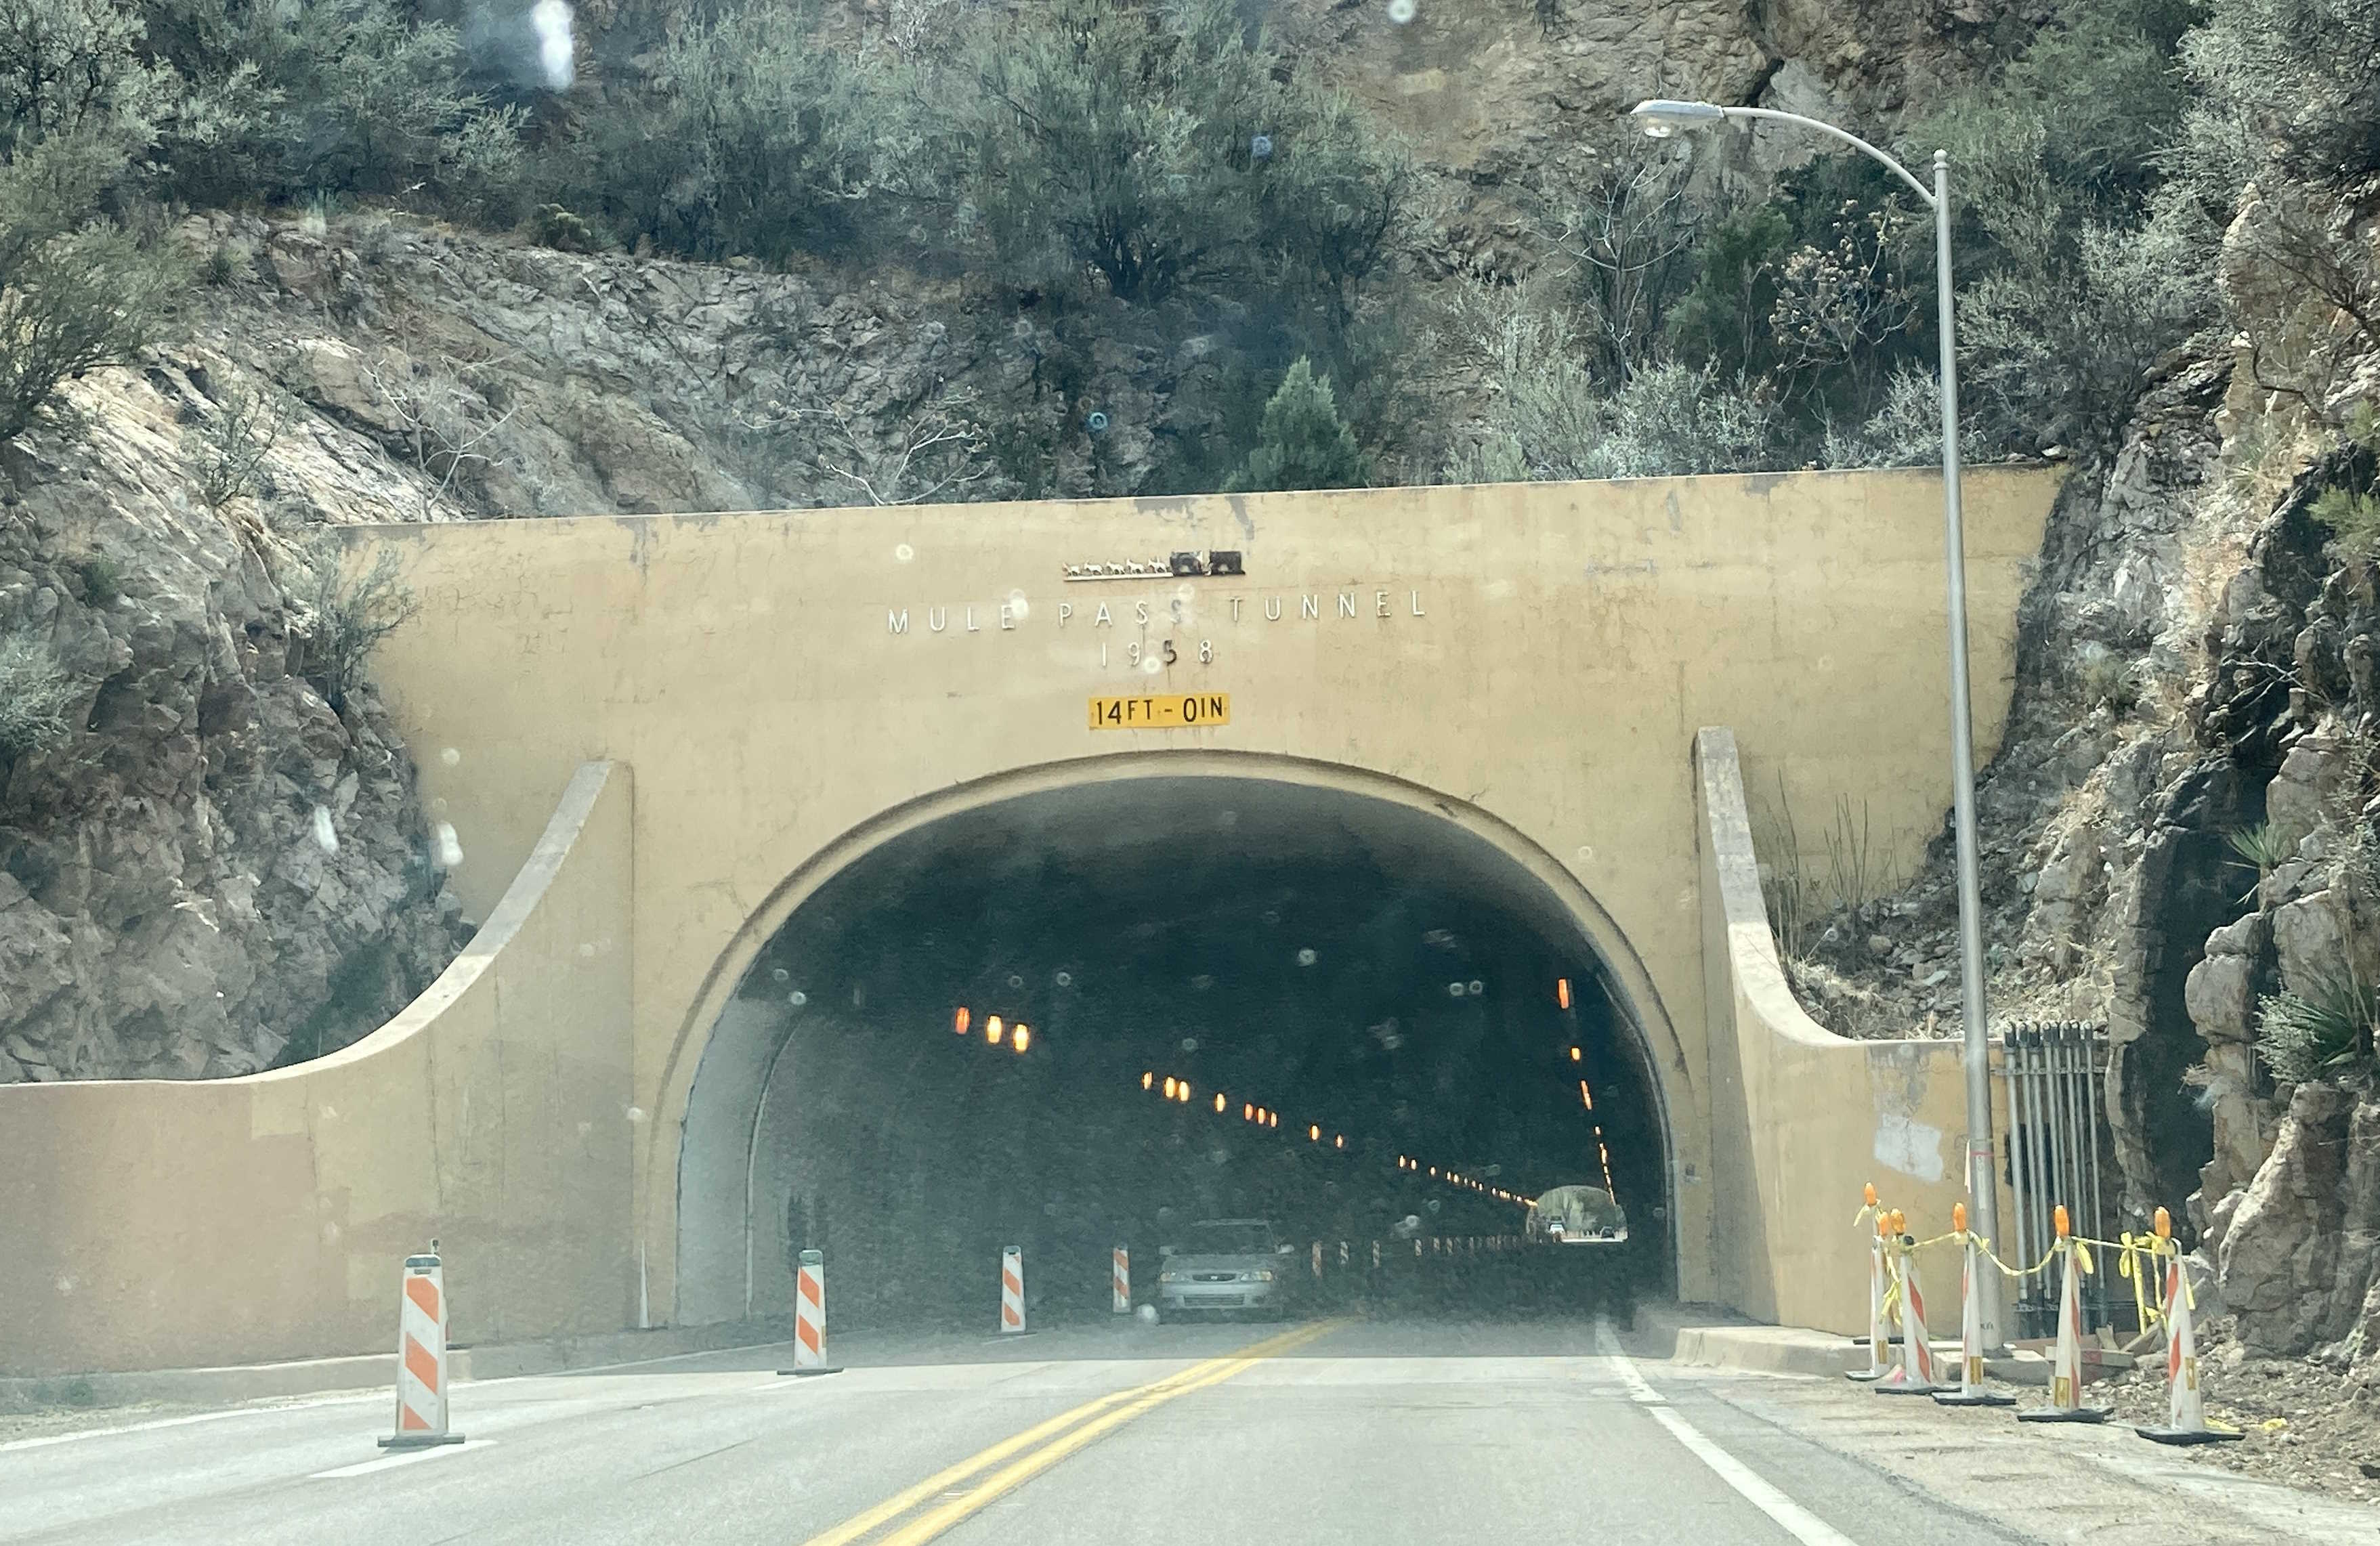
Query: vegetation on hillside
x=1164, y=158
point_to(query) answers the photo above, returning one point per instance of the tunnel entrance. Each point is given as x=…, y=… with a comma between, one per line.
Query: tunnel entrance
x=1363, y=1000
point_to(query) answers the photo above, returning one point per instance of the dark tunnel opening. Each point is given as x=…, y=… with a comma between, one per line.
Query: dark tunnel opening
x=1383, y=985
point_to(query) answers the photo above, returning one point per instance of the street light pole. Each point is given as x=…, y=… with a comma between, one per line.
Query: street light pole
x=1661, y=120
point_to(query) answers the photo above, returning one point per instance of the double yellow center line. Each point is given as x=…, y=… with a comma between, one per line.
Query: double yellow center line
x=1027, y=1454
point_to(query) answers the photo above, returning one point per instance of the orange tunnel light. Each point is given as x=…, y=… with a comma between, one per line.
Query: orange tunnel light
x=992, y=1029
x=1021, y=1038
x=961, y=1019
x=1561, y=996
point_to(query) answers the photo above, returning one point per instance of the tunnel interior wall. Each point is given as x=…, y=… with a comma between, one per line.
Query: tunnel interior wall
x=158, y=1224
x=1394, y=986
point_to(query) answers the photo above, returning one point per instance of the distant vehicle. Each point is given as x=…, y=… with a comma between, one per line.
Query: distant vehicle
x=1225, y=1265
x=1577, y=1215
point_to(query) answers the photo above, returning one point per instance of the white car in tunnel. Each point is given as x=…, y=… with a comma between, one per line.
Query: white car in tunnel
x=1226, y=1264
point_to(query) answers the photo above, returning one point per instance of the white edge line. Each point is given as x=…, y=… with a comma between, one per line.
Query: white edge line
x=389, y=1462
x=1795, y=1520
x=339, y=1398
x=44, y=1441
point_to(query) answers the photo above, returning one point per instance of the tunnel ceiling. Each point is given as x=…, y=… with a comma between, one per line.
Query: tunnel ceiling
x=1308, y=949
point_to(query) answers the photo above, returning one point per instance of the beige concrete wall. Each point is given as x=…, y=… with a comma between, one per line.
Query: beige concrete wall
x=1804, y=1119
x=151, y=1223
x=1571, y=638
x=1529, y=660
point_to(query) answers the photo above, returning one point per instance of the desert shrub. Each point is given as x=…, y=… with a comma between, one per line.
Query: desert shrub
x=759, y=143
x=77, y=289
x=36, y=693
x=343, y=611
x=2326, y=1030
x=1303, y=442
x=2059, y=338
x=1158, y=147
x=225, y=449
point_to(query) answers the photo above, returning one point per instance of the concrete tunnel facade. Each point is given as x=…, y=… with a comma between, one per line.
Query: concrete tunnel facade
x=656, y=738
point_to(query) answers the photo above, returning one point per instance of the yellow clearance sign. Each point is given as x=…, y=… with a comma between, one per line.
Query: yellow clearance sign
x=1162, y=711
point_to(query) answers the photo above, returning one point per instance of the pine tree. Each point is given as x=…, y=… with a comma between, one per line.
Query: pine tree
x=1303, y=442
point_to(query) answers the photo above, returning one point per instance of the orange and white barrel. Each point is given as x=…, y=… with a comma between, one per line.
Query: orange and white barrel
x=1122, y=1276
x=2185, y=1411
x=1012, y=1290
x=421, y=1356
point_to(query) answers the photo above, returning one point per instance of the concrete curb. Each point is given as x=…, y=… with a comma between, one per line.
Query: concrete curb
x=260, y=1382
x=1779, y=1350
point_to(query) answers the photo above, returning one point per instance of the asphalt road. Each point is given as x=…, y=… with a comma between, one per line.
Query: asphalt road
x=1386, y=1433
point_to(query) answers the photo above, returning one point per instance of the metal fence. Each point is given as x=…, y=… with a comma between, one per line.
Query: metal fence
x=2057, y=1147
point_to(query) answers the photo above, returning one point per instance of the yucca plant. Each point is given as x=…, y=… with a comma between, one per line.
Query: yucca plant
x=2264, y=850
x=2322, y=1031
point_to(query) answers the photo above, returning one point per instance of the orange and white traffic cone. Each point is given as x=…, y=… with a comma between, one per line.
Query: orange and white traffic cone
x=1878, y=1341
x=809, y=1318
x=2066, y=1365
x=1916, y=1375
x=421, y=1356
x=1122, y=1276
x=1969, y=1391
x=2185, y=1411
x=1012, y=1292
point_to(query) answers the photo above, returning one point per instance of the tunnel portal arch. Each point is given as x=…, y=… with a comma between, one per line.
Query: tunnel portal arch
x=725, y=1057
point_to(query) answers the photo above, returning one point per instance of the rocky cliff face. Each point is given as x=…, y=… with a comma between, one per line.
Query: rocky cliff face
x=215, y=869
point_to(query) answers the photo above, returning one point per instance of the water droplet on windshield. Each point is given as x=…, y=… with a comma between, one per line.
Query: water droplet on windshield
x=903, y=553
x=1402, y=11
x=781, y=975
x=1065, y=979
x=1152, y=665
x=1015, y=981
x=635, y=1114
x=326, y=837
x=1455, y=990
x=1017, y=606
x=797, y=998
x=1478, y=988
x=450, y=848
x=1190, y=1044
x=1305, y=957
x=1260, y=146
x=450, y=757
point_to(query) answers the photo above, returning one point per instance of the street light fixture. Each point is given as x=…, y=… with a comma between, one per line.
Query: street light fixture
x=1662, y=120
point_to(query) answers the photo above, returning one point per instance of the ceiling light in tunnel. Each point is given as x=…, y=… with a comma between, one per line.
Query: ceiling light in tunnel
x=1562, y=993
x=1339, y=1141
x=1313, y=1133
x=1169, y=1086
x=1573, y=1055
x=1219, y=1100
x=1585, y=1096
x=1147, y=1080
x=1022, y=1037
x=1184, y=1096
x=992, y=1029
x=961, y=1019
x=1273, y=1121
x=1247, y=1111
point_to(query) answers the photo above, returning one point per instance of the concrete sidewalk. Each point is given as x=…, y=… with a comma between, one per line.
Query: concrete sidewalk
x=256, y=1381
x=1709, y=1337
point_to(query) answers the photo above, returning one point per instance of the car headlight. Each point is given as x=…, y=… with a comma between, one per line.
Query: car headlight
x=1262, y=1274
x=1169, y=1278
